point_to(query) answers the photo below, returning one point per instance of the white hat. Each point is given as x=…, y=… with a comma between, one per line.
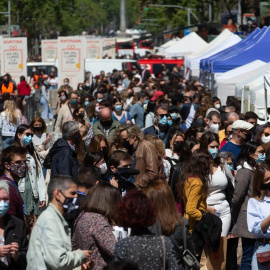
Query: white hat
x=241, y=124
x=261, y=117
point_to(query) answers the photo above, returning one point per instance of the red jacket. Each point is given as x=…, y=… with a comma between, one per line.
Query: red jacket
x=24, y=88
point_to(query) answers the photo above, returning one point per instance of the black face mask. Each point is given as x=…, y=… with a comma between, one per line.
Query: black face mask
x=265, y=186
x=69, y=204
x=106, y=124
x=81, y=115
x=248, y=137
x=128, y=146
x=177, y=146
x=130, y=95
x=38, y=129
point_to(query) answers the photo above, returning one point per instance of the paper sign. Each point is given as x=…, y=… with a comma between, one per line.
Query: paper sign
x=71, y=55
x=93, y=48
x=49, y=50
x=14, y=57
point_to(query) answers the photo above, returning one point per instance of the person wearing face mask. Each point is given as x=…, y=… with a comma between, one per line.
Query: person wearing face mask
x=216, y=103
x=128, y=100
x=84, y=126
x=106, y=125
x=62, y=158
x=12, y=169
x=66, y=87
x=218, y=202
x=13, y=237
x=32, y=186
x=145, y=156
x=175, y=116
x=160, y=127
x=241, y=133
x=99, y=96
x=62, y=193
x=66, y=111
x=119, y=114
x=96, y=160
x=249, y=157
x=137, y=110
x=86, y=88
x=263, y=136
x=258, y=217
x=213, y=121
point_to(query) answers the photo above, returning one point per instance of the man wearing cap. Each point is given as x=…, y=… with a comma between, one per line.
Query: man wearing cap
x=230, y=118
x=241, y=133
x=158, y=97
x=137, y=110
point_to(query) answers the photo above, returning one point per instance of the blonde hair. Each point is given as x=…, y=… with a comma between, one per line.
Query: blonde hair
x=157, y=143
x=177, y=134
x=132, y=131
x=11, y=111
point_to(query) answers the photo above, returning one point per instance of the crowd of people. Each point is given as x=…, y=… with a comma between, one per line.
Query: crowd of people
x=138, y=173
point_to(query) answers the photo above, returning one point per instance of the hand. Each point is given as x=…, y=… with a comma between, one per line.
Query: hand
x=211, y=210
x=88, y=266
x=42, y=203
x=4, y=250
x=87, y=253
x=47, y=139
x=230, y=235
x=14, y=251
x=113, y=182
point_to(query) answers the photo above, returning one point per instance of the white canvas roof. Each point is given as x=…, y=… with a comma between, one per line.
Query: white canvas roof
x=170, y=42
x=187, y=45
x=226, y=86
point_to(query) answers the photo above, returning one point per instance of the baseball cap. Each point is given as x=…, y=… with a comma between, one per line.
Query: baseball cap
x=157, y=95
x=241, y=124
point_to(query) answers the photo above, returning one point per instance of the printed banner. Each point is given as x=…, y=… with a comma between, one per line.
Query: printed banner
x=71, y=55
x=93, y=49
x=14, y=57
x=49, y=49
x=109, y=49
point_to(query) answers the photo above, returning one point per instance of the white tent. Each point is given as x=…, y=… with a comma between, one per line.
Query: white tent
x=226, y=83
x=223, y=41
x=187, y=45
x=170, y=42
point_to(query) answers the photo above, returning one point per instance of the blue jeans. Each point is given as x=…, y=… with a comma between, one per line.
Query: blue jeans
x=46, y=110
x=7, y=141
x=248, y=245
x=259, y=248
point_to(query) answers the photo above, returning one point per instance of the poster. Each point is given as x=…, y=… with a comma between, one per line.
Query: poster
x=71, y=55
x=14, y=57
x=109, y=47
x=93, y=48
x=49, y=50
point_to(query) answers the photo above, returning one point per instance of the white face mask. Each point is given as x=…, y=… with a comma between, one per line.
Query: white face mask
x=103, y=168
x=265, y=139
x=217, y=106
x=215, y=127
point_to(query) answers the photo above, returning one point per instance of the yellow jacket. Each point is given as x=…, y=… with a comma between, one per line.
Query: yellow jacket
x=194, y=200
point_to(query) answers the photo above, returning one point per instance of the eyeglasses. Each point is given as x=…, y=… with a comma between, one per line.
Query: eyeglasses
x=163, y=115
x=29, y=134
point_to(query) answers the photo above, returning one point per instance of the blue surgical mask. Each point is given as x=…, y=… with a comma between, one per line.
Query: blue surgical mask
x=170, y=122
x=231, y=167
x=46, y=83
x=27, y=140
x=118, y=108
x=174, y=116
x=163, y=121
x=86, y=103
x=261, y=158
x=99, y=100
x=4, y=206
x=213, y=152
x=196, y=106
x=146, y=101
x=74, y=102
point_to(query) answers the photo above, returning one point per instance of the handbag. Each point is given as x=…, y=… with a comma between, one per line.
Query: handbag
x=263, y=257
x=190, y=261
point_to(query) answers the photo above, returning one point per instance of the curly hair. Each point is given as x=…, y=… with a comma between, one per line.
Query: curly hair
x=135, y=210
x=197, y=166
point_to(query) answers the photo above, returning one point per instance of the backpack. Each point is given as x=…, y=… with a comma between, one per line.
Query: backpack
x=37, y=95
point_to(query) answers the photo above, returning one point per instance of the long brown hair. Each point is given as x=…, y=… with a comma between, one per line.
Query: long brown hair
x=161, y=195
x=94, y=146
x=199, y=166
x=258, y=193
x=102, y=199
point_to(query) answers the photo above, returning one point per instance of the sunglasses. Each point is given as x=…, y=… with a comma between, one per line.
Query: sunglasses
x=163, y=115
x=29, y=134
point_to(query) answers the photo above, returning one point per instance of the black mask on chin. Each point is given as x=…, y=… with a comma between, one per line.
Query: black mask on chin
x=248, y=137
x=107, y=123
x=163, y=128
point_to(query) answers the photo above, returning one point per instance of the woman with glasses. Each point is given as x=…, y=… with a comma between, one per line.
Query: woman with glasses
x=217, y=202
x=32, y=188
x=228, y=134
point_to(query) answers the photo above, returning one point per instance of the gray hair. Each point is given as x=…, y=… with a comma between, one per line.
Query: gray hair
x=54, y=137
x=4, y=186
x=62, y=182
x=69, y=128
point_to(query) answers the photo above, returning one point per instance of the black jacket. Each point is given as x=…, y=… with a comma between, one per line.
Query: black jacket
x=207, y=230
x=64, y=160
x=14, y=231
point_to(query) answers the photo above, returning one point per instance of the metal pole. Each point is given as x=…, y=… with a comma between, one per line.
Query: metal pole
x=9, y=17
x=210, y=12
x=188, y=16
x=123, y=26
